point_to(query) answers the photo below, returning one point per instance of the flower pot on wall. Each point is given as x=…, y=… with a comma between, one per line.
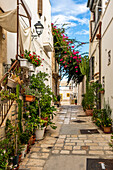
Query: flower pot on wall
x=102, y=92
x=107, y=129
x=39, y=133
x=89, y=112
x=24, y=63
x=11, y=83
x=29, y=98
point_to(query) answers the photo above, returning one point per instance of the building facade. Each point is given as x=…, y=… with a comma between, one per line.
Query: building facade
x=39, y=10
x=100, y=48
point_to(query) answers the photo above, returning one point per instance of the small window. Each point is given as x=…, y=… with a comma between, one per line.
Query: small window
x=68, y=95
x=69, y=87
x=103, y=82
x=109, y=57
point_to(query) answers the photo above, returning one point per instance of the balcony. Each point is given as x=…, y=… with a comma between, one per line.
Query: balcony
x=48, y=41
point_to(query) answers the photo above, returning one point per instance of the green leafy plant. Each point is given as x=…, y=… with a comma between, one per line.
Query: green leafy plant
x=42, y=104
x=101, y=89
x=29, y=91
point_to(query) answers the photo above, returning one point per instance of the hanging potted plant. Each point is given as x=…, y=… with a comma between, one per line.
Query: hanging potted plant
x=24, y=63
x=29, y=95
x=14, y=80
x=101, y=90
x=32, y=58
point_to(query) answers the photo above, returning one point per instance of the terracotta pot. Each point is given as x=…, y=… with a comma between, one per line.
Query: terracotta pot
x=89, y=112
x=107, y=129
x=102, y=92
x=29, y=98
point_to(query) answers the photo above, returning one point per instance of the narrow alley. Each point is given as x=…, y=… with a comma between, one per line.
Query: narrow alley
x=71, y=146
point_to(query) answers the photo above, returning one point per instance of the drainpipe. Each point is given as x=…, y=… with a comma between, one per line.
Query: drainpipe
x=17, y=27
x=100, y=63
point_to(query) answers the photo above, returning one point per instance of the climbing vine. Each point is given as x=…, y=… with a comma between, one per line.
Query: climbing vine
x=67, y=55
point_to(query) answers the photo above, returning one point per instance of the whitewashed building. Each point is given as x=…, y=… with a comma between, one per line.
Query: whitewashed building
x=101, y=48
x=38, y=10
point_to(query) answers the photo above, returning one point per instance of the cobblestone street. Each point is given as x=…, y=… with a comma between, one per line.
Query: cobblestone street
x=66, y=148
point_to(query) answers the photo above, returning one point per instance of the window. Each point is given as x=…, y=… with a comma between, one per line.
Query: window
x=68, y=95
x=92, y=68
x=109, y=57
x=69, y=87
x=40, y=6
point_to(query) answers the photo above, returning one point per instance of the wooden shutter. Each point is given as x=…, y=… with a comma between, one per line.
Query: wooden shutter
x=40, y=6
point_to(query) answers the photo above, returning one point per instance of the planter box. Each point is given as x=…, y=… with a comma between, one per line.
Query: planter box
x=39, y=133
x=24, y=63
x=29, y=98
x=89, y=112
x=11, y=83
x=32, y=68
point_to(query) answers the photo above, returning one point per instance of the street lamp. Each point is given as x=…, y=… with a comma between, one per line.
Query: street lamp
x=39, y=28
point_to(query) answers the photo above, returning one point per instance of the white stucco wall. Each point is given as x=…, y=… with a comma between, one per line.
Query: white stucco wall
x=107, y=45
x=38, y=43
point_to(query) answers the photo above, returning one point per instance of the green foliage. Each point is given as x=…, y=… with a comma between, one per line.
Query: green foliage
x=90, y=98
x=67, y=54
x=20, y=115
x=44, y=97
x=24, y=137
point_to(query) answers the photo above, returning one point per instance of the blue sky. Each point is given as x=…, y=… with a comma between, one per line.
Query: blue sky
x=76, y=14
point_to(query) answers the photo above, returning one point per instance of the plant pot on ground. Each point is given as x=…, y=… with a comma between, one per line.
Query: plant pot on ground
x=39, y=133
x=40, y=128
x=107, y=129
x=89, y=112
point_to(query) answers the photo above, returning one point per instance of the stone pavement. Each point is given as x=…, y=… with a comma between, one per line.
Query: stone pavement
x=66, y=148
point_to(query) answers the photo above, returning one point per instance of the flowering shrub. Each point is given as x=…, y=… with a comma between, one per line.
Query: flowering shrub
x=32, y=58
x=66, y=56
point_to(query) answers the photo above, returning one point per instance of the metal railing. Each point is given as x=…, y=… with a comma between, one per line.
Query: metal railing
x=5, y=105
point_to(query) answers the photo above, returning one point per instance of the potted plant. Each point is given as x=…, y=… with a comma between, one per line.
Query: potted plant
x=24, y=138
x=107, y=125
x=39, y=128
x=29, y=95
x=106, y=117
x=101, y=90
x=24, y=63
x=32, y=58
x=14, y=80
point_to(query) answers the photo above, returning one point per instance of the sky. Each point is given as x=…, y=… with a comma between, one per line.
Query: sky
x=76, y=14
